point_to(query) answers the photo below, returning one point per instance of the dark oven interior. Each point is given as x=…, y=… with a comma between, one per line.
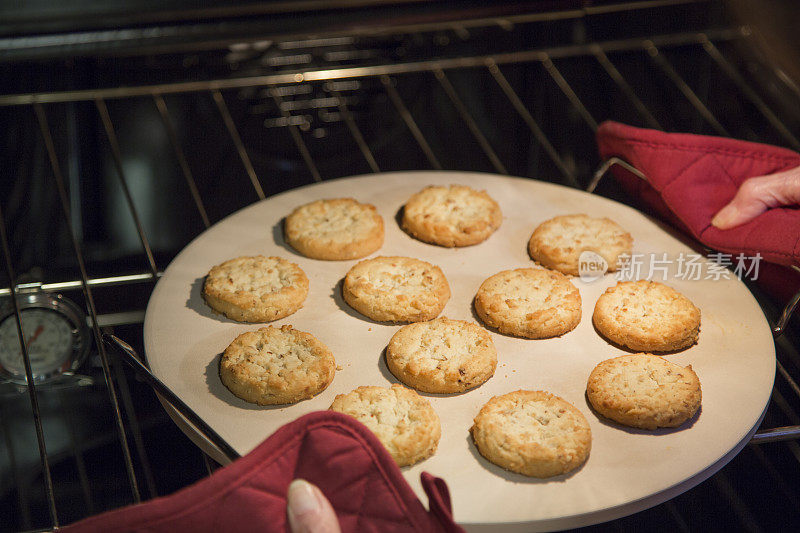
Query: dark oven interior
x=129, y=131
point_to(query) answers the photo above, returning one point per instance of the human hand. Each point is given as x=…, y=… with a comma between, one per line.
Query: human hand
x=309, y=511
x=758, y=194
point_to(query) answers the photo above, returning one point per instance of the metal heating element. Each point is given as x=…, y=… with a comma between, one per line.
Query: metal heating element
x=345, y=103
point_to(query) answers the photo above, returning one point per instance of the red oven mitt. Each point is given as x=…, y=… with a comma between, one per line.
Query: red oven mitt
x=333, y=451
x=691, y=177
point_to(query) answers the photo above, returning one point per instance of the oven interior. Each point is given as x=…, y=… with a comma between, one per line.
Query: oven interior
x=126, y=135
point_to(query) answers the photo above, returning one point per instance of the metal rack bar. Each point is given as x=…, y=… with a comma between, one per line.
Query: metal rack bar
x=74, y=171
x=667, y=68
x=787, y=81
x=785, y=347
x=786, y=433
x=794, y=429
x=792, y=383
x=577, y=50
x=793, y=418
x=672, y=509
x=776, y=434
x=787, y=313
x=794, y=448
x=787, y=490
x=297, y=138
x=131, y=358
x=219, y=100
x=604, y=168
x=207, y=463
x=523, y=112
x=471, y=124
x=37, y=415
x=749, y=93
x=77, y=453
x=614, y=8
x=116, y=155
x=136, y=431
x=747, y=520
x=355, y=132
x=142, y=35
x=59, y=179
x=119, y=319
x=625, y=87
x=405, y=114
x=77, y=284
x=565, y=87
x=176, y=145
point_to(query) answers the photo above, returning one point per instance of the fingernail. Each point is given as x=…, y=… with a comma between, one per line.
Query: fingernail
x=301, y=499
x=722, y=220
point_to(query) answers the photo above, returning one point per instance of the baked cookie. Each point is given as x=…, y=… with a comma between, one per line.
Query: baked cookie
x=558, y=243
x=276, y=366
x=442, y=355
x=403, y=421
x=396, y=289
x=647, y=316
x=533, y=433
x=529, y=302
x=644, y=391
x=256, y=289
x=336, y=229
x=451, y=216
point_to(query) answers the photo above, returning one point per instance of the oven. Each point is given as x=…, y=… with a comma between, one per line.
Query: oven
x=128, y=132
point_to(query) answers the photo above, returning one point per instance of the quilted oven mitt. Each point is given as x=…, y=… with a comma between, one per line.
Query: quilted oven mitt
x=333, y=451
x=691, y=177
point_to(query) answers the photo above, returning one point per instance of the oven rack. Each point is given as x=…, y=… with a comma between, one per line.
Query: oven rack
x=386, y=74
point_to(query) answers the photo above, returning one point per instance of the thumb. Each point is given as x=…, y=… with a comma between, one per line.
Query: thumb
x=308, y=509
x=758, y=194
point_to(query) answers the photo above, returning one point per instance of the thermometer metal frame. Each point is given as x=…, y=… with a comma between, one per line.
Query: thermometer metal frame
x=81, y=338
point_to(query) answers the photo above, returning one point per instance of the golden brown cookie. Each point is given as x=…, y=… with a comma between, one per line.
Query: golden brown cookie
x=403, y=421
x=647, y=316
x=335, y=229
x=529, y=302
x=442, y=355
x=451, y=216
x=644, y=391
x=276, y=366
x=396, y=289
x=533, y=433
x=256, y=289
x=558, y=243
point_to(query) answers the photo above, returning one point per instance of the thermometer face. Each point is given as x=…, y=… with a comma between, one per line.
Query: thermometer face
x=50, y=341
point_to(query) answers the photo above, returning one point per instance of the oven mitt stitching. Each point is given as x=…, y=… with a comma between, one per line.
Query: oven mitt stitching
x=680, y=174
x=743, y=153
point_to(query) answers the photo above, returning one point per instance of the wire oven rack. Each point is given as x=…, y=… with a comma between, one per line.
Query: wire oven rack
x=388, y=77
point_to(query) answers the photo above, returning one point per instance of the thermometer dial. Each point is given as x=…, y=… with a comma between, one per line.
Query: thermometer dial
x=56, y=337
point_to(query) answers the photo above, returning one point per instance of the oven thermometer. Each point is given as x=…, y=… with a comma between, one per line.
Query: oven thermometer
x=57, y=337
